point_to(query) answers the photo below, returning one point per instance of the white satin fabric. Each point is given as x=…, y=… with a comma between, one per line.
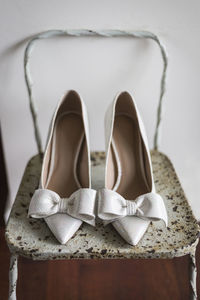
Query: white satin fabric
x=80, y=205
x=112, y=206
x=60, y=218
x=131, y=226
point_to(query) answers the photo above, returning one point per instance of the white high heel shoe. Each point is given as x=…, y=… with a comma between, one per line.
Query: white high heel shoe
x=65, y=198
x=129, y=200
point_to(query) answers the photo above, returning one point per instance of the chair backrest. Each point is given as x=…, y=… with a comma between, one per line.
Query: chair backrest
x=100, y=33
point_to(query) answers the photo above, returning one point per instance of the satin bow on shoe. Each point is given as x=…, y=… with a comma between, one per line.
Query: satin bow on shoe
x=112, y=206
x=80, y=205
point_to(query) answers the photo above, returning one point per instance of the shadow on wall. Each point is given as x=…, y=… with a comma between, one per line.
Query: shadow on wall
x=6, y=203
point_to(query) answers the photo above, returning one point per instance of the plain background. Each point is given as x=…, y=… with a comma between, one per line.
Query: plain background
x=98, y=68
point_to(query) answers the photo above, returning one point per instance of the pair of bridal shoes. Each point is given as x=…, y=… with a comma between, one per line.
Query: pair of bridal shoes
x=65, y=198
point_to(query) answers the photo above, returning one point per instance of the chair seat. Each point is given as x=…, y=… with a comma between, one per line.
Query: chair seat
x=31, y=237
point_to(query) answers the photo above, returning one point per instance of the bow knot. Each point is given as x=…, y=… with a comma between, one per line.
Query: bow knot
x=112, y=206
x=133, y=208
x=80, y=205
x=64, y=204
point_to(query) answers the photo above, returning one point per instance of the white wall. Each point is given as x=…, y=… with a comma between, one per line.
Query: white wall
x=98, y=69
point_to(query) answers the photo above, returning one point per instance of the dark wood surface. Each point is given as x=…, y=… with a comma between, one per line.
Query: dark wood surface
x=97, y=280
x=3, y=183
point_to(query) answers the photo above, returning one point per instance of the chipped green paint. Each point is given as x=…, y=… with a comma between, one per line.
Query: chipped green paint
x=32, y=238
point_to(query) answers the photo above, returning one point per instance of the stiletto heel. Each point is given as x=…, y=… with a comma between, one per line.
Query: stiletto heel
x=129, y=200
x=65, y=198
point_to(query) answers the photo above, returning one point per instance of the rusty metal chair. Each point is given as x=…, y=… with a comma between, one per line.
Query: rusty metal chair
x=31, y=238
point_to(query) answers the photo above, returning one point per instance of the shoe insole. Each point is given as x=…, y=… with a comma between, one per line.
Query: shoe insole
x=129, y=148
x=69, y=160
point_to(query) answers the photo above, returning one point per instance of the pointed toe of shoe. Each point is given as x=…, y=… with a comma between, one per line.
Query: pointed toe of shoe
x=131, y=229
x=63, y=226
